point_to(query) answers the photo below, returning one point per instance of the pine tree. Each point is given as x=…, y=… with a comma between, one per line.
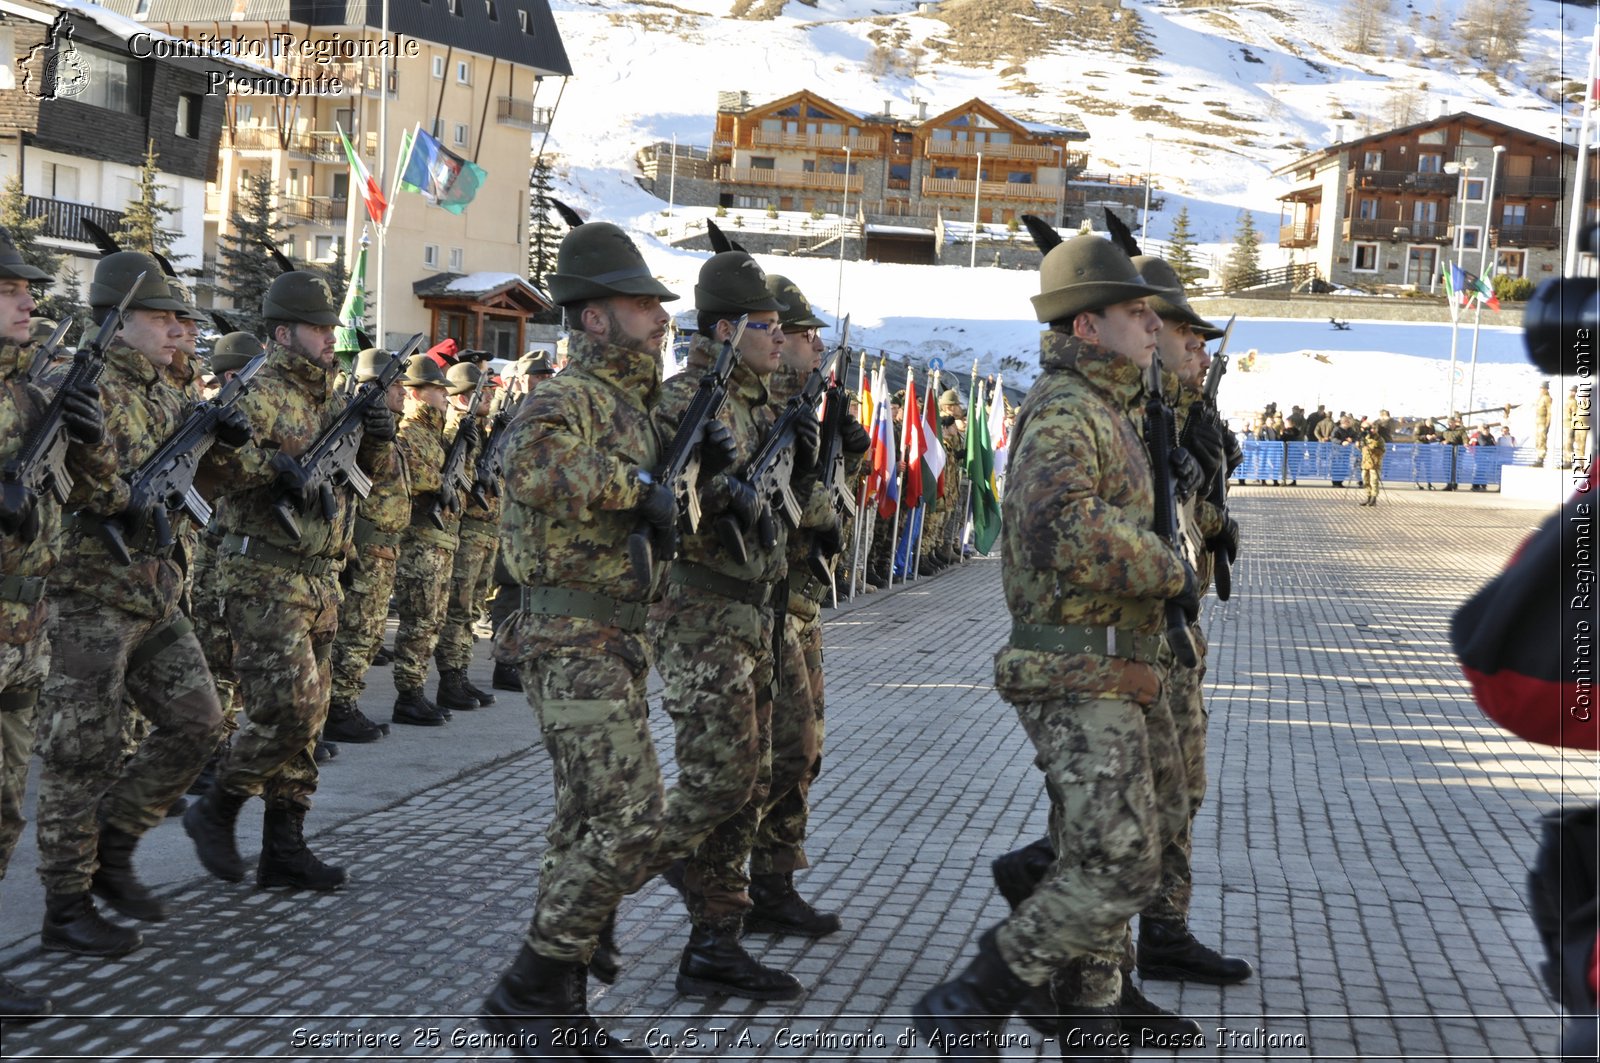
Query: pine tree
x=244, y=268
x=544, y=232
x=142, y=228
x=1244, y=261
x=63, y=300
x=1180, y=251
x=336, y=273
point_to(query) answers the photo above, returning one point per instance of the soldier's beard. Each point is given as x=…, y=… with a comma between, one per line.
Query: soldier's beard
x=620, y=337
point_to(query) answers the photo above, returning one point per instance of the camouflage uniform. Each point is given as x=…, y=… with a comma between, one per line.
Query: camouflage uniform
x=207, y=608
x=1372, y=448
x=1541, y=424
x=422, y=575
x=471, y=571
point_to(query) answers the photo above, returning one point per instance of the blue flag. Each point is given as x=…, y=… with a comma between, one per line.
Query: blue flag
x=443, y=178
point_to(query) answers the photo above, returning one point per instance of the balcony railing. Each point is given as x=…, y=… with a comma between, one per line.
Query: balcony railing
x=63, y=219
x=1404, y=181
x=1029, y=152
x=1529, y=186
x=825, y=182
x=1397, y=229
x=834, y=141
x=938, y=186
x=317, y=210
x=522, y=114
x=1302, y=234
x=1526, y=236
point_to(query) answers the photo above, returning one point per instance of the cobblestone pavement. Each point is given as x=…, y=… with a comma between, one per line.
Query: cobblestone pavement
x=1364, y=842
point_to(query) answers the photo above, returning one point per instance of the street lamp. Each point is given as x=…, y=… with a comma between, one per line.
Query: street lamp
x=672, y=178
x=1464, y=168
x=844, y=207
x=1483, y=278
x=1149, y=166
x=977, y=188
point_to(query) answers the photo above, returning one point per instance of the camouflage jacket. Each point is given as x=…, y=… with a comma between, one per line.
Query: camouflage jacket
x=748, y=415
x=805, y=592
x=1372, y=448
x=1541, y=408
x=1077, y=544
x=423, y=445
x=142, y=408
x=1200, y=519
x=570, y=491
x=290, y=403
x=388, y=507
x=470, y=510
x=21, y=406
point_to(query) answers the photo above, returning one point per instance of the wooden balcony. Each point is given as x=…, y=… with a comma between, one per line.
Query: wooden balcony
x=822, y=182
x=1444, y=184
x=63, y=219
x=1302, y=234
x=1416, y=232
x=938, y=186
x=966, y=149
x=1528, y=187
x=814, y=141
x=1545, y=236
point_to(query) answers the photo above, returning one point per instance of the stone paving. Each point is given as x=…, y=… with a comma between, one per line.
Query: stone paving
x=1364, y=843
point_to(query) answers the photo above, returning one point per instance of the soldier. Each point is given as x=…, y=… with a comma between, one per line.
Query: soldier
x=1541, y=424
x=26, y=562
x=381, y=519
x=953, y=434
x=427, y=545
x=282, y=591
x=578, y=483
x=120, y=629
x=474, y=556
x=1087, y=582
x=1372, y=446
x=715, y=629
x=1454, y=435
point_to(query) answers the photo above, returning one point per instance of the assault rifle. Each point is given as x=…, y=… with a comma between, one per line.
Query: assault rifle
x=488, y=471
x=165, y=482
x=1160, y=435
x=1218, y=493
x=453, y=480
x=47, y=352
x=680, y=465
x=41, y=464
x=330, y=461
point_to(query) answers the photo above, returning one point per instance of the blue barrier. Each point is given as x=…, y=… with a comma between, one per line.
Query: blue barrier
x=1432, y=463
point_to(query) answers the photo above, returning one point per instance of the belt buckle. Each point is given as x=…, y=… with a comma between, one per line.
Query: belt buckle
x=1111, y=642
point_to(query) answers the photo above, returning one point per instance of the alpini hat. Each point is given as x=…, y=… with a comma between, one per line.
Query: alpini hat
x=13, y=266
x=423, y=372
x=536, y=362
x=181, y=293
x=951, y=397
x=114, y=275
x=798, y=315
x=463, y=377
x=1158, y=273
x=234, y=351
x=598, y=259
x=732, y=283
x=370, y=362
x=300, y=297
x=1087, y=273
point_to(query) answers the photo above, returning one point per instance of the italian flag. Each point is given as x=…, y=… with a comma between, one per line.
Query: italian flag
x=362, y=179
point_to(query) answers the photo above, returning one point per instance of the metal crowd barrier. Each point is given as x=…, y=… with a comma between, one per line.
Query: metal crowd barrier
x=1421, y=463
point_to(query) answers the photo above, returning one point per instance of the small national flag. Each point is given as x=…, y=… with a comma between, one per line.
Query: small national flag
x=997, y=427
x=883, y=485
x=353, y=314
x=443, y=178
x=1479, y=288
x=980, y=471
x=911, y=445
x=933, y=455
x=371, y=194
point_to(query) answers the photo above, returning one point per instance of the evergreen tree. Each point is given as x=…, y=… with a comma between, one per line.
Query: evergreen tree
x=244, y=268
x=1244, y=261
x=1180, y=251
x=142, y=227
x=64, y=298
x=544, y=233
x=336, y=273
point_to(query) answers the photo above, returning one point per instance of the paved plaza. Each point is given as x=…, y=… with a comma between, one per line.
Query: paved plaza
x=1364, y=842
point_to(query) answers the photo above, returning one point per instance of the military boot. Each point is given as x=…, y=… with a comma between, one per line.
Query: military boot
x=73, y=924
x=347, y=723
x=485, y=699
x=210, y=822
x=411, y=707
x=17, y=1005
x=1018, y=873
x=1151, y=1025
x=115, y=883
x=285, y=860
x=544, y=1002
x=780, y=910
x=1084, y=1032
x=453, y=693
x=208, y=774
x=506, y=677
x=1168, y=951
x=974, y=1005
x=607, y=959
x=714, y=964
x=382, y=657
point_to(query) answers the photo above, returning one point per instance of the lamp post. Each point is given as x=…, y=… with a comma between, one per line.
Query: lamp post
x=977, y=189
x=672, y=178
x=1149, y=167
x=1483, y=277
x=1463, y=168
x=844, y=207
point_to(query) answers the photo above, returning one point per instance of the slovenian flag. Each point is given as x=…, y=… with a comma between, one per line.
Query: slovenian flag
x=371, y=194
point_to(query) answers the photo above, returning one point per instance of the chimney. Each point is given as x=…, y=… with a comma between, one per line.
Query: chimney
x=888, y=108
x=922, y=110
x=1338, y=132
x=1444, y=106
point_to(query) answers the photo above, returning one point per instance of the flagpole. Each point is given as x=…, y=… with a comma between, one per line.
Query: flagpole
x=1453, y=298
x=1580, y=178
x=383, y=160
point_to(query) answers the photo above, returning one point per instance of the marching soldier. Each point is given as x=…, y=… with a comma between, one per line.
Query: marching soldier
x=381, y=519
x=28, y=553
x=474, y=557
x=282, y=592
x=577, y=484
x=120, y=629
x=1372, y=447
x=1087, y=582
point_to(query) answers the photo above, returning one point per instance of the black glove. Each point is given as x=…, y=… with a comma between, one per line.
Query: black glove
x=717, y=452
x=807, y=442
x=829, y=540
x=1187, y=476
x=378, y=422
x=854, y=437
x=1189, y=597
x=743, y=502
x=233, y=427
x=1227, y=539
x=81, y=414
x=291, y=477
x=1231, y=447
x=1206, y=444
x=658, y=506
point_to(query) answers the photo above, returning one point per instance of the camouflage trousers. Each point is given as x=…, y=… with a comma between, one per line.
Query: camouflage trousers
x=1541, y=438
x=99, y=654
x=421, y=583
x=884, y=530
x=797, y=730
x=211, y=628
x=282, y=649
x=1180, y=786
x=505, y=600
x=361, y=620
x=22, y=672
x=469, y=575
x=606, y=829
x=1372, y=479
x=715, y=656
x=1106, y=831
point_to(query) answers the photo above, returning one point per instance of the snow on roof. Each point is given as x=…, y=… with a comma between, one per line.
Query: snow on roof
x=483, y=282
x=124, y=29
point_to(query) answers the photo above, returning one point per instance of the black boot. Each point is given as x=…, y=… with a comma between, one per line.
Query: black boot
x=1093, y=1034
x=17, y=1005
x=72, y=924
x=607, y=959
x=453, y=693
x=1168, y=951
x=322, y=752
x=1018, y=873
x=285, y=860
x=506, y=677
x=780, y=910
x=347, y=723
x=115, y=883
x=674, y=874
x=1152, y=1026
x=540, y=1000
x=177, y=808
x=714, y=964
x=382, y=657
x=410, y=707
x=208, y=774
x=974, y=1005
x=485, y=699
x=210, y=823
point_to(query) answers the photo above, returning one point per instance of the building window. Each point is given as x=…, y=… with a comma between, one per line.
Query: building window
x=436, y=129
x=494, y=16
x=111, y=81
x=1429, y=162
x=61, y=181
x=457, y=257
x=141, y=9
x=463, y=72
x=188, y=115
x=1511, y=263
x=522, y=20
x=242, y=113
x=322, y=248
x=808, y=165
x=1475, y=188
x=341, y=185
x=1425, y=210
x=1373, y=160
x=1367, y=210
x=455, y=8
x=1422, y=264
x=438, y=66
x=762, y=162
x=945, y=173
x=1515, y=214
x=1471, y=237
x=461, y=134
x=1365, y=259
x=1019, y=177
x=430, y=256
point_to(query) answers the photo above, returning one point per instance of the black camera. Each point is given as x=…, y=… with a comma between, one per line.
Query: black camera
x=1560, y=321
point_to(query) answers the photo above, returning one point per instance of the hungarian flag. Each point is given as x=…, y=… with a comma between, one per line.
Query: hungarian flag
x=911, y=445
x=371, y=194
x=353, y=314
x=980, y=470
x=443, y=178
x=933, y=455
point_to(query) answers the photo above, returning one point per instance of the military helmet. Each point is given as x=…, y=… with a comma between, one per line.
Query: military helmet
x=423, y=372
x=1158, y=273
x=181, y=293
x=463, y=377
x=370, y=362
x=13, y=266
x=596, y=260
x=798, y=314
x=732, y=283
x=114, y=275
x=234, y=351
x=300, y=297
x=1087, y=273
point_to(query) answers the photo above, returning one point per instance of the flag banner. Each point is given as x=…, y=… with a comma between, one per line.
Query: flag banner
x=933, y=455
x=997, y=428
x=884, y=485
x=371, y=194
x=353, y=313
x=911, y=445
x=980, y=470
x=1454, y=282
x=442, y=177
x=1479, y=289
